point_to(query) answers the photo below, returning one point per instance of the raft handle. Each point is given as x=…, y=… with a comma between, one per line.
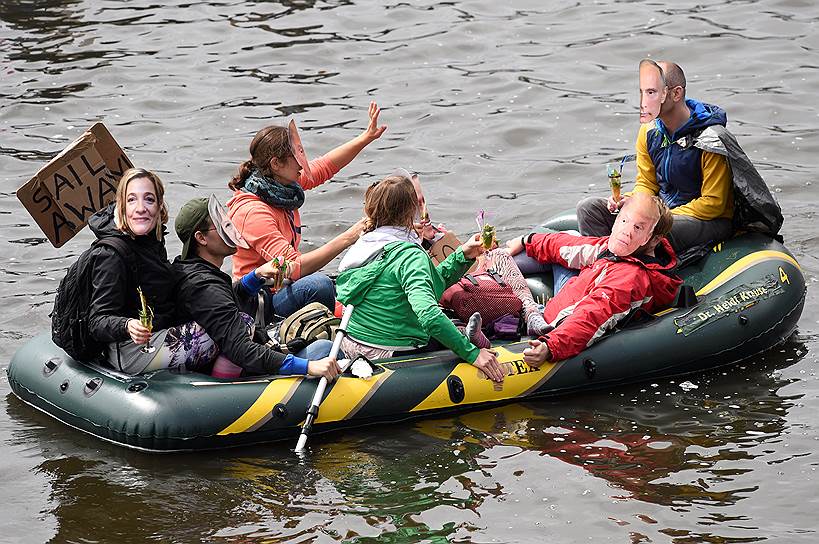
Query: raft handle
x=137, y=387
x=280, y=411
x=64, y=386
x=686, y=297
x=51, y=366
x=743, y=319
x=590, y=367
x=456, y=389
x=92, y=386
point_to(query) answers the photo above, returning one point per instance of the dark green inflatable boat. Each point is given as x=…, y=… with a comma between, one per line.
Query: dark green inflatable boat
x=750, y=293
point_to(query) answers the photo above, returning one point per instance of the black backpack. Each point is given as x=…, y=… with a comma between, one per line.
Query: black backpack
x=69, y=320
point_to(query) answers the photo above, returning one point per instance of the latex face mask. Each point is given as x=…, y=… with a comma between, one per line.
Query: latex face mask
x=227, y=231
x=632, y=229
x=652, y=93
x=298, y=148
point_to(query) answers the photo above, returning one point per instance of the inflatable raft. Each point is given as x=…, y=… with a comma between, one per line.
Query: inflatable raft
x=749, y=295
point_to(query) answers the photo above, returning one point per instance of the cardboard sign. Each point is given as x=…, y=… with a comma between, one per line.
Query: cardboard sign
x=442, y=248
x=445, y=245
x=75, y=184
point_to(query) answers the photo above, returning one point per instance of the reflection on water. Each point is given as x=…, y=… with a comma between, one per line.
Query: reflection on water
x=657, y=444
x=690, y=450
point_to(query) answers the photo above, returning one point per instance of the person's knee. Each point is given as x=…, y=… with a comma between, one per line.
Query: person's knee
x=318, y=349
x=325, y=291
x=318, y=287
x=688, y=232
x=324, y=282
x=529, y=265
x=591, y=208
x=589, y=205
x=593, y=217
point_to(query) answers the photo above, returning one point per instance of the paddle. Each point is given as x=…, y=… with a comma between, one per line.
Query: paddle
x=313, y=409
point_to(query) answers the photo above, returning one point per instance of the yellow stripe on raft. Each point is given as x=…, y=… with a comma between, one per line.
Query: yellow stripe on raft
x=278, y=391
x=738, y=268
x=520, y=379
x=348, y=395
x=744, y=264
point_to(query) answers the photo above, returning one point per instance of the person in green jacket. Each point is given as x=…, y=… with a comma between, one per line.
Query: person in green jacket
x=395, y=287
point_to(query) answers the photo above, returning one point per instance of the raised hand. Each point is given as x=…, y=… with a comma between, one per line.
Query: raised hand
x=373, y=131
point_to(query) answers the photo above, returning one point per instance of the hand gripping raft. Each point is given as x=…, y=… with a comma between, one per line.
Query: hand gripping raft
x=312, y=411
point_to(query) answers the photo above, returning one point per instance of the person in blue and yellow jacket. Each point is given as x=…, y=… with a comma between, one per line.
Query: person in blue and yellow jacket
x=696, y=184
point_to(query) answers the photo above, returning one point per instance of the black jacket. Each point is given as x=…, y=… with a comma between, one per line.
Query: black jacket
x=114, y=298
x=755, y=208
x=207, y=296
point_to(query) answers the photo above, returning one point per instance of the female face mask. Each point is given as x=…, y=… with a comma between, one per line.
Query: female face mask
x=227, y=231
x=298, y=148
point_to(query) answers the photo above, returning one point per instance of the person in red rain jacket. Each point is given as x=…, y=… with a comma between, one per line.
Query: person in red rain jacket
x=631, y=268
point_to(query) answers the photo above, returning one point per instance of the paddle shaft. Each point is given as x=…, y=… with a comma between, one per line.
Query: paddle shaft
x=313, y=409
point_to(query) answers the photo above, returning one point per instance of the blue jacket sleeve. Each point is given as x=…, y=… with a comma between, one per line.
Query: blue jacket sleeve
x=251, y=283
x=293, y=365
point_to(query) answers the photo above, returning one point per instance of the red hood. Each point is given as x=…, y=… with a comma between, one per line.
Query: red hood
x=664, y=283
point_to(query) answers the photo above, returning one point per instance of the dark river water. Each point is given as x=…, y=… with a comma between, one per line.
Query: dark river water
x=510, y=106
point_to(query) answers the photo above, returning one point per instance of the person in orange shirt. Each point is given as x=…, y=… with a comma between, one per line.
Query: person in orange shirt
x=268, y=192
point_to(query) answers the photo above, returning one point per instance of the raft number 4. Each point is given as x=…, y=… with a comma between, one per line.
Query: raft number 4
x=783, y=277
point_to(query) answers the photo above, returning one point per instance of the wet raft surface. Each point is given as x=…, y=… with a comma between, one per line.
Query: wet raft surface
x=750, y=296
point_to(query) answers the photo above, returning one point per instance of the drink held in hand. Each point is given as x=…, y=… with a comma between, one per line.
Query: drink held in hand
x=146, y=318
x=281, y=264
x=614, y=181
x=488, y=236
x=486, y=229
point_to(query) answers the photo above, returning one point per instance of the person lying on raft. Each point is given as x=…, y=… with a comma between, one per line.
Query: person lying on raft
x=268, y=192
x=632, y=268
x=206, y=296
x=395, y=287
x=132, y=306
